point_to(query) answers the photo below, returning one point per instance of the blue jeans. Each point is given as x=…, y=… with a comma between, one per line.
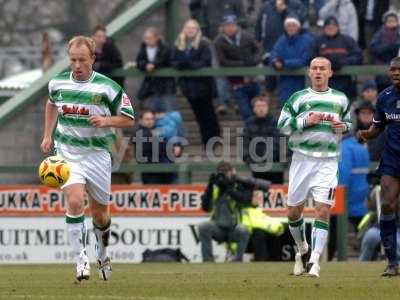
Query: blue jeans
x=243, y=96
x=223, y=91
x=370, y=242
x=165, y=102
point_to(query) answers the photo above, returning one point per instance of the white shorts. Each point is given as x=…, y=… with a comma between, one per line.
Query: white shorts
x=92, y=169
x=311, y=177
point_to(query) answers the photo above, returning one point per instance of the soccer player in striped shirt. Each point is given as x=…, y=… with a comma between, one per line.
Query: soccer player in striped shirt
x=84, y=107
x=314, y=118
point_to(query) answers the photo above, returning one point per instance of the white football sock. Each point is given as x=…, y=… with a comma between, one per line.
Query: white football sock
x=77, y=233
x=297, y=230
x=319, y=239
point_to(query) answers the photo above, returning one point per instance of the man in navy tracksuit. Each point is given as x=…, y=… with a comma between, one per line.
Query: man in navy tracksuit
x=388, y=115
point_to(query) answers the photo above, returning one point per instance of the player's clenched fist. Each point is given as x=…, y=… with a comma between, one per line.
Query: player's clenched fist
x=313, y=119
x=338, y=127
x=361, y=136
x=99, y=121
x=46, y=144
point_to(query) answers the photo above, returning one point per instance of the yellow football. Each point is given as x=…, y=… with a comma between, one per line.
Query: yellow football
x=54, y=171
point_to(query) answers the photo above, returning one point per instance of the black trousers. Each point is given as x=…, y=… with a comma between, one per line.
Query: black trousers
x=206, y=118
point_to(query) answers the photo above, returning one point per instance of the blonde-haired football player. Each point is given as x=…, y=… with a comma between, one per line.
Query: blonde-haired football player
x=314, y=118
x=83, y=108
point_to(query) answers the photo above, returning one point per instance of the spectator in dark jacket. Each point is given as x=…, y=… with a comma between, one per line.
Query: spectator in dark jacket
x=209, y=13
x=292, y=51
x=264, y=152
x=193, y=52
x=269, y=27
x=370, y=13
x=154, y=54
x=341, y=50
x=108, y=57
x=345, y=12
x=385, y=45
x=237, y=48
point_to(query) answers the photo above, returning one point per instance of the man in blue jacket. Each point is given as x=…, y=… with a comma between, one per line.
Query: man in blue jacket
x=292, y=51
x=353, y=170
x=269, y=27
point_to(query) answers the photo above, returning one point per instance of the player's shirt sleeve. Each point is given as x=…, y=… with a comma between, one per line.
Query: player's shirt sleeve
x=379, y=119
x=121, y=105
x=51, y=93
x=346, y=116
x=288, y=121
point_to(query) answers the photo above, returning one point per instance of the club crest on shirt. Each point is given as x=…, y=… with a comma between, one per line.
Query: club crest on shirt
x=398, y=104
x=96, y=99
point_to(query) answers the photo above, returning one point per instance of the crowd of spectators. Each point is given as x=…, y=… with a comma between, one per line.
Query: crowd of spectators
x=286, y=35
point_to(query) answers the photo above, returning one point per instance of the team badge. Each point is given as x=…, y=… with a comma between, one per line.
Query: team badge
x=96, y=99
x=398, y=104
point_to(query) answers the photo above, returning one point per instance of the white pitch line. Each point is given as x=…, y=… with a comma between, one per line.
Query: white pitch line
x=10, y=296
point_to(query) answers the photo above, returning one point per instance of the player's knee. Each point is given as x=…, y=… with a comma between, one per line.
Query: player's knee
x=75, y=203
x=204, y=228
x=293, y=214
x=100, y=218
x=242, y=230
x=322, y=212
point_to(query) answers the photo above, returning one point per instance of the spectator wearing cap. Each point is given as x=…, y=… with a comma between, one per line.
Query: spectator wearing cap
x=370, y=13
x=369, y=93
x=269, y=27
x=209, y=13
x=345, y=13
x=341, y=50
x=192, y=52
x=364, y=113
x=154, y=54
x=291, y=51
x=237, y=48
x=108, y=56
x=385, y=45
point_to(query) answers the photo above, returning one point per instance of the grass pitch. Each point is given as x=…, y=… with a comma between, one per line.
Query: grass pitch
x=199, y=281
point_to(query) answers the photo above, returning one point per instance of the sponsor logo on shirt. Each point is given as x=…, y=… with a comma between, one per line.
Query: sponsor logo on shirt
x=392, y=117
x=125, y=100
x=74, y=110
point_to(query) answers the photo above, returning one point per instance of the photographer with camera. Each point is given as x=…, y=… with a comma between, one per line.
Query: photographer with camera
x=224, y=198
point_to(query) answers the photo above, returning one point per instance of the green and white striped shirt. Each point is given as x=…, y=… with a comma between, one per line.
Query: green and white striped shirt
x=318, y=140
x=77, y=101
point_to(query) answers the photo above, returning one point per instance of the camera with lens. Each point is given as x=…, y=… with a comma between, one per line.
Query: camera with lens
x=222, y=180
x=253, y=183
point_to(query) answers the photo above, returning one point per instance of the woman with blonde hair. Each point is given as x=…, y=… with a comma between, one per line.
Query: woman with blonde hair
x=193, y=52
